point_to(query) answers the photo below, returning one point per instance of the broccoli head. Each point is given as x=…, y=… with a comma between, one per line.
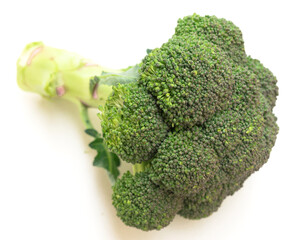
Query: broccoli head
x=194, y=118
x=214, y=105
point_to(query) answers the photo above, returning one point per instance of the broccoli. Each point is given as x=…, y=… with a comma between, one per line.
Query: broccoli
x=194, y=118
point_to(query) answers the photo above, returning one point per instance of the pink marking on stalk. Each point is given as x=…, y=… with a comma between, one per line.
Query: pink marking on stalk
x=33, y=54
x=91, y=64
x=94, y=93
x=60, y=91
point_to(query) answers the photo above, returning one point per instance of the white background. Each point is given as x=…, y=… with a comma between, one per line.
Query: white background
x=48, y=187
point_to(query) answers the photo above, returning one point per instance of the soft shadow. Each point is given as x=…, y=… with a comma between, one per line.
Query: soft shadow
x=52, y=108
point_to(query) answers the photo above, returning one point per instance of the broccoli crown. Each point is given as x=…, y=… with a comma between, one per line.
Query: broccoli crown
x=132, y=124
x=190, y=78
x=200, y=118
x=142, y=204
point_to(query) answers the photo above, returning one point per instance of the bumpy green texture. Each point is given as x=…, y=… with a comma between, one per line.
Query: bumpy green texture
x=267, y=80
x=183, y=164
x=142, y=204
x=190, y=78
x=132, y=123
x=203, y=203
x=242, y=122
x=209, y=199
x=199, y=120
x=218, y=31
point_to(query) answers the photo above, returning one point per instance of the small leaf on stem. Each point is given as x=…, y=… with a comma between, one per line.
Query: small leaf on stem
x=104, y=158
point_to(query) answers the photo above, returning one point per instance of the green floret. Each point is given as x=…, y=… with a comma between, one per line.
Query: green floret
x=246, y=91
x=244, y=159
x=191, y=79
x=183, y=164
x=247, y=158
x=219, y=31
x=243, y=121
x=203, y=203
x=268, y=81
x=230, y=128
x=270, y=131
x=132, y=124
x=142, y=204
x=210, y=198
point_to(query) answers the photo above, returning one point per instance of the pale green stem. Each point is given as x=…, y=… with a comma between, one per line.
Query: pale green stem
x=140, y=167
x=85, y=117
x=54, y=72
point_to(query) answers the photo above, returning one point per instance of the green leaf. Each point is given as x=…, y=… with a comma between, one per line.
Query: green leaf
x=92, y=132
x=109, y=161
x=104, y=158
x=96, y=143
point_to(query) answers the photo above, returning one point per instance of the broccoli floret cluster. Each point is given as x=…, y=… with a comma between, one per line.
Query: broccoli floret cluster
x=220, y=32
x=142, y=204
x=190, y=78
x=133, y=124
x=196, y=124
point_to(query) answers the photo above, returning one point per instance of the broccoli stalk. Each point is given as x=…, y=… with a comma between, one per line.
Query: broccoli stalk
x=54, y=72
x=58, y=73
